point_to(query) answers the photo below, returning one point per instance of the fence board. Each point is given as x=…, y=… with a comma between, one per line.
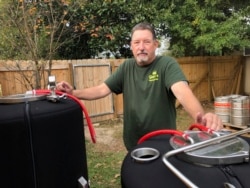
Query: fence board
x=88, y=73
x=220, y=74
x=194, y=68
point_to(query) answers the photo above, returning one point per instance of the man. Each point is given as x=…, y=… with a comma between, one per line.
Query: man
x=150, y=86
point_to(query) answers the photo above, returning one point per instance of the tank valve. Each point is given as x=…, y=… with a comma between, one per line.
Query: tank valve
x=52, y=87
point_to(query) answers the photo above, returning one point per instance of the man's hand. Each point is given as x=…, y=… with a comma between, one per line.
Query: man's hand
x=210, y=120
x=64, y=87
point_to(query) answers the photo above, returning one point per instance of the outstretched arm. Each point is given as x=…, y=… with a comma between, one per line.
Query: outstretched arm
x=185, y=96
x=91, y=93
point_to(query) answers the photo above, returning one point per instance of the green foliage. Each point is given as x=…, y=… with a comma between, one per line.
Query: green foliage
x=206, y=28
x=76, y=29
x=108, y=23
x=35, y=28
x=222, y=37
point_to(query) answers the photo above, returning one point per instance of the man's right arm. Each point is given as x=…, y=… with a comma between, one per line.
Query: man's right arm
x=91, y=93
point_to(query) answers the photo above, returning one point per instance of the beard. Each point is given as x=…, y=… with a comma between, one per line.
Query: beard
x=142, y=59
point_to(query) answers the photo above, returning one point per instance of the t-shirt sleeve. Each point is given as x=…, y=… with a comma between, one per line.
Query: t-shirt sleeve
x=173, y=74
x=115, y=80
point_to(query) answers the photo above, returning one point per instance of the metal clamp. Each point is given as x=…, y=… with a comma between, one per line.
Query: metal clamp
x=52, y=87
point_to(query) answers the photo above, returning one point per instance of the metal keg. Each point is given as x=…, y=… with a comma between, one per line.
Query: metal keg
x=240, y=111
x=222, y=107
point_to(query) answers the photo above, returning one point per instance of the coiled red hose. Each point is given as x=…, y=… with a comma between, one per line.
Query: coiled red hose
x=89, y=122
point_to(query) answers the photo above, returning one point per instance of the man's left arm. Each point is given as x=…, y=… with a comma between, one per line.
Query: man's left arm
x=191, y=104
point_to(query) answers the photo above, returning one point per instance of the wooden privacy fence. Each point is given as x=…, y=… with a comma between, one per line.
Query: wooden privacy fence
x=209, y=77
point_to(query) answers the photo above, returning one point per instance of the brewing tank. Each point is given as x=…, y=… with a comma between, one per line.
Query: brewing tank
x=42, y=143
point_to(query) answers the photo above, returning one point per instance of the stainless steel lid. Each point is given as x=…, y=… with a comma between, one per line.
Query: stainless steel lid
x=235, y=150
x=20, y=98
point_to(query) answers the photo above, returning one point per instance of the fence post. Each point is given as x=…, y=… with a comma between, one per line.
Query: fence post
x=1, y=93
x=210, y=81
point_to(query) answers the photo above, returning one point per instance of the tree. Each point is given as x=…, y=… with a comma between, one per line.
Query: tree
x=106, y=25
x=206, y=27
x=76, y=29
x=195, y=27
x=33, y=31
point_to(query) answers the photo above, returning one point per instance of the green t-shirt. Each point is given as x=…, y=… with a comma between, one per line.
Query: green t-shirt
x=148, y=101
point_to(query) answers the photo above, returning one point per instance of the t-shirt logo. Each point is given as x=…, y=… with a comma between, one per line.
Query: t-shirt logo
x=153, y=76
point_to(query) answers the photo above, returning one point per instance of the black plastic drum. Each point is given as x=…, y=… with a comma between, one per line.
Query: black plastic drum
x=154, y=173
x=42, y=144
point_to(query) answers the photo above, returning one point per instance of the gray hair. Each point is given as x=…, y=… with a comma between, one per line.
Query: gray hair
x=144, y=26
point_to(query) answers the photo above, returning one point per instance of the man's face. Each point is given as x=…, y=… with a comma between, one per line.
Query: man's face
x=143, y=47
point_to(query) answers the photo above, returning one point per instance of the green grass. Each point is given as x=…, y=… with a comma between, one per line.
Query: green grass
x=104, y=167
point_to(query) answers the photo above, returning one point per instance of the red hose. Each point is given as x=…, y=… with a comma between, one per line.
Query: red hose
x=201, y=128
x=160, y=132
x=175, y=132
x=90, y=125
